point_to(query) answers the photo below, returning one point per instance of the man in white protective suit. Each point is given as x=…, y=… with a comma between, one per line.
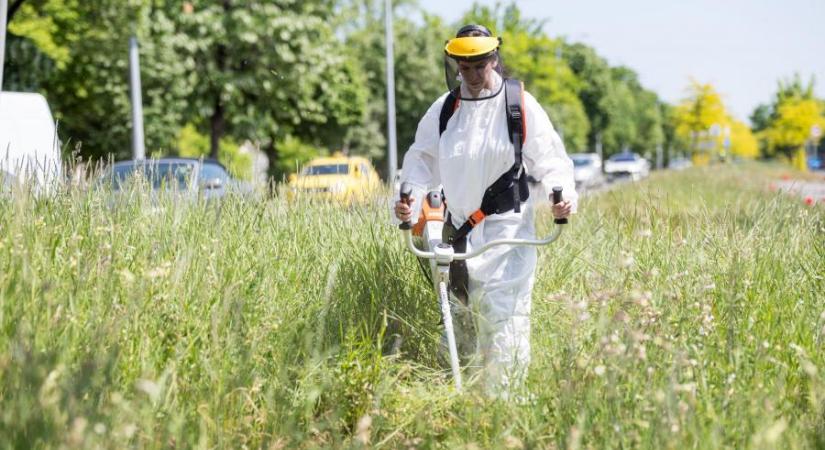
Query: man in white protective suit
x=471, y=153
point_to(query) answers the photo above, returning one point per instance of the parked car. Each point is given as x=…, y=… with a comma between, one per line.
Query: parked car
x=627, y=164
x=188, y=176
x=679, y=163
x=815, y=162
x=338, y=177
x=587, y=170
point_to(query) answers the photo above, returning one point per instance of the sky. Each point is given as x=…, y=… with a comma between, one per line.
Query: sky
x=741, y=47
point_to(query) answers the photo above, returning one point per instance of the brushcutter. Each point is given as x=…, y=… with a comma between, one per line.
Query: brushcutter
x=440, y=254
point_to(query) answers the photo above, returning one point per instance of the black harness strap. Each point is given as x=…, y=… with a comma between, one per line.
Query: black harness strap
x=502, y=196
x=447, y=110
x=515, y=125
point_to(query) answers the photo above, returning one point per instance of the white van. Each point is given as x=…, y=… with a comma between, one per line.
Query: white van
x=29, y=147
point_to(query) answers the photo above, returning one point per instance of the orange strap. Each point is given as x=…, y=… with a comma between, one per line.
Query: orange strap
x=476, y=217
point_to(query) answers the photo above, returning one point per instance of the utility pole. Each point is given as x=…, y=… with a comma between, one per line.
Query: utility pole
x=138, y=149
x=392, y=150
x=4, y=7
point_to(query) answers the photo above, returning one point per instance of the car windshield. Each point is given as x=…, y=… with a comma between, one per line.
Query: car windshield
x=211, y=171
x=327, y=169
x=582, y=162
x=167, y=175
x=623, y=157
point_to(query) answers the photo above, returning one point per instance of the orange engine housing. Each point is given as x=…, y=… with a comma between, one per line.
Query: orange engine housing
x=433, y=209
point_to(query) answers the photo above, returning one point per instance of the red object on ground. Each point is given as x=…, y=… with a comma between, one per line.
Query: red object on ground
x=809, y=200
x=785, y=177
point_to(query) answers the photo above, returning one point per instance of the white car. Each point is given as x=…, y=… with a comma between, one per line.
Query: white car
x=587, y=170
x=627, y=164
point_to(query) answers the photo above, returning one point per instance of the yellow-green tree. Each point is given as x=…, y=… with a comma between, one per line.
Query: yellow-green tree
x=790, y=131
x=743, y=143
x=704, y=126
x=699, y=119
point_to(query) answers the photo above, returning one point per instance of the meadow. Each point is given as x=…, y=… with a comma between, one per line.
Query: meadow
x=684, y=311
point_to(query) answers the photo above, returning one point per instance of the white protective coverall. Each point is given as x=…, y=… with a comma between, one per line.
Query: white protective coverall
x=473, y=152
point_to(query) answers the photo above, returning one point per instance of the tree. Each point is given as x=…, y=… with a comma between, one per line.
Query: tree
x=622, y=114
x=784, y=125
x=743, y=141
x=704, y=126
x=270, y=70
x=89, y=89
x=761, y=117
x=700, y=119
x=419, y=75
x=13, y=7
x=790, y=131
x=27, y=68
x=596, y=82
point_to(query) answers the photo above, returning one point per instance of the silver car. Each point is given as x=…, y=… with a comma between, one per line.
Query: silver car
x=587, y=171
x=627, y=164
x=205, y=177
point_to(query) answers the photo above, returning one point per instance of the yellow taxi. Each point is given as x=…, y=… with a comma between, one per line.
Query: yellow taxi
x=347, y=179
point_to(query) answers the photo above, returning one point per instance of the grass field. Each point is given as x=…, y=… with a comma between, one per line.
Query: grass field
x=686, y=311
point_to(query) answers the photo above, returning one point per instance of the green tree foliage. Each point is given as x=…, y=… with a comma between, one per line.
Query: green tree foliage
x=595, y=75
x=26, y=67
x=622, y=113
x=299, y=78
x=89, y=89
x=761, y=117
x=193, y=144
x=268, y=70
x=419, y=75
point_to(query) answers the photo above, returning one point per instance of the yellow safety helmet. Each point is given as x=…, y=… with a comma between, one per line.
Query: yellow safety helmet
x=472, y=48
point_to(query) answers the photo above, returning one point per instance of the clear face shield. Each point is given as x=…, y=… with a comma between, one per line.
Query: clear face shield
x=472, y=70
x=470, y=61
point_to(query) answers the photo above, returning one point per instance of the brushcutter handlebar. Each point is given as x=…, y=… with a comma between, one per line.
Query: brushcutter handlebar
x=447, y=256
x=557, y=199
x=444, y=254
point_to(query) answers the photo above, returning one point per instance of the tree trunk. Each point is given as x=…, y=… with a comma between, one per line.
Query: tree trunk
x=218, y=127
x=218, y=119
x=271, y=152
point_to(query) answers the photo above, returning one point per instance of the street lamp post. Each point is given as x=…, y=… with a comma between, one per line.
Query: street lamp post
x=4, y=4
x=392, y=151
x=138, y=149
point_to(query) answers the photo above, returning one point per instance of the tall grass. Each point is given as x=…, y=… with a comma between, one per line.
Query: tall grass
x=685, y=311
